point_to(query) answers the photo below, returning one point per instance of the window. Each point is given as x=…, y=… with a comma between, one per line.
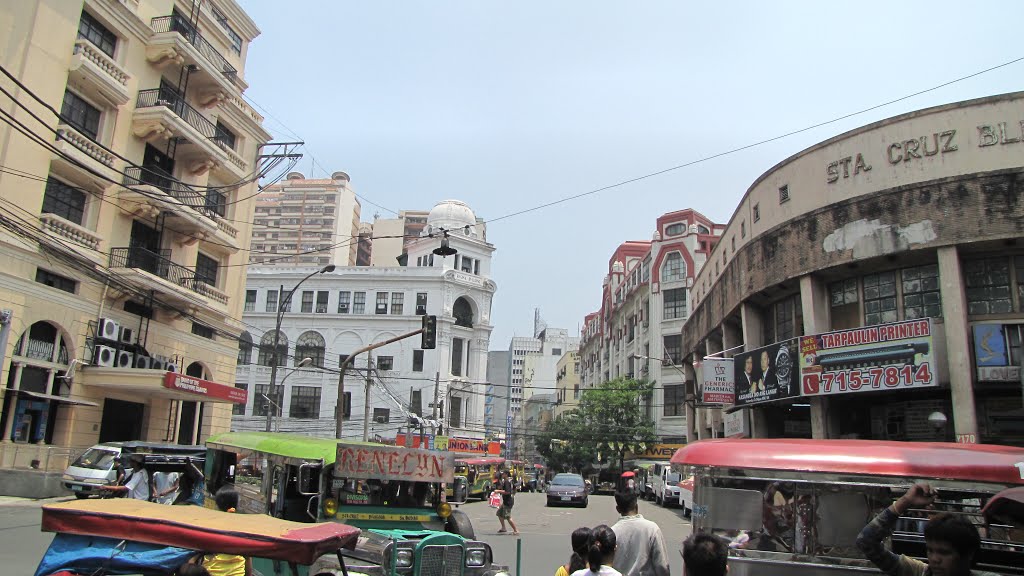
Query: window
x=675, y=303
x=202, y=330
x=417, y=360
x=244, y=349
x=206, y=269
x=307, y=301
x=987, y=285
x=250, y=300
x=139, y=309
x=743, y=229
x=64, y=201
x=321, y=301
x=236, y=40
x=455, y=412
x=845, y=304
x=264, y=402
x=344, y=298
x=416, y=402
x=421, y=303
x=675, y=229
x=674, y=267
x=239, y=408
x=456, y=366
x=702, y=229
x=381, y=415
x=382, y=302
x=56, y=281
x=305, y=402
x=673, y=348
x=880, y=298
x=78, y=113
x=467, y=265
x=225, y=136
x=463, y=313
x=385, y=363
x=784, y=194
x=346, y=411
x=675, y=395
x=476, y=267
x=397, y=302
x=310, y=345
x=359, y=302
x=90, y=29
x=267, y=355
x=556, y=352
x=921, y=298
x=757, y=212
x=784, y=320
x=271, y=300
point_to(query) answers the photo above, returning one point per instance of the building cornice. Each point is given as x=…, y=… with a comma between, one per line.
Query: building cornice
x=120, y=14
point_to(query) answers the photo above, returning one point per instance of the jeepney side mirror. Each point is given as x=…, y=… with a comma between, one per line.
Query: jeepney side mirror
x=308, y=484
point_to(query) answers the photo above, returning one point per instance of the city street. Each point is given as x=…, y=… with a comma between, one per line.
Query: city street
x=544, y=532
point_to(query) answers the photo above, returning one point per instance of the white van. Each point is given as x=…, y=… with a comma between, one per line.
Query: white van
x=92, y=469
x=665, y=483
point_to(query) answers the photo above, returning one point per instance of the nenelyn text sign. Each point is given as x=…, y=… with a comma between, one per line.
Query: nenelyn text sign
x=383, y=462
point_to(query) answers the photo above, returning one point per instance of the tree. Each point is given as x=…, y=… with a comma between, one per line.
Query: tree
x=561, y=444
x=614, y=418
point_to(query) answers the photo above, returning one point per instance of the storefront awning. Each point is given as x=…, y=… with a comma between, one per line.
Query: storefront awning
x=64, y=399
x=160, y=384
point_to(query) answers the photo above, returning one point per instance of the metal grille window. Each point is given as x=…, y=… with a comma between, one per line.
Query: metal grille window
x=267, y=356
x=417, y=360
x=845, y=302
x=305, y=402
x=382, y=303
x=397, y=303
x=310, y=345
x=359, y=302
x=675, y=303
x=64, y=201
x=260, y=402
x=843, y=292
x=988, y=286
x=416, y=402
x=456, y=366
x=421, y=303
x=381, y=415
x=455, y=412
x=78, y=113
x=56, y=281
x=307, y=301
x=225, y=136
x=206, y=269
x=271, y=300
x=236, y=40
x=786, y=313
x=880, y=298
x=385, y=363
x=321, y=302
x=344, y=302
x=245, y=349
x=239, y=408
x=92, y=30
x=674, y=348
x=250, y=301
x=675, y=394
x=921, y=297
x=202, y=330
x=674, y=267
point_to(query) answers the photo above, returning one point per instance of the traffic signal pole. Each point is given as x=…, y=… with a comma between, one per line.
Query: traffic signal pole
x=429, y=329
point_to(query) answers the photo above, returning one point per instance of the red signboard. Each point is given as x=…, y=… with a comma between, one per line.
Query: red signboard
x=382, y=462
x=192, y=385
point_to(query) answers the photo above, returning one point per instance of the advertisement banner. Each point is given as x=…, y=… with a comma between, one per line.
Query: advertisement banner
x=766, y=374
x=736, y=424
x=382, y=462
x=990, y=345
x=657, y=452
x=718, y=384
x=891, y=356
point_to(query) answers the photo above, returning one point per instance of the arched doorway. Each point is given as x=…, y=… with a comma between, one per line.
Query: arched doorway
x=463, y=312
x=41, y=355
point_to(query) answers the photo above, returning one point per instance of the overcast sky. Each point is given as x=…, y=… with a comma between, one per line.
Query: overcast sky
x=510, y=105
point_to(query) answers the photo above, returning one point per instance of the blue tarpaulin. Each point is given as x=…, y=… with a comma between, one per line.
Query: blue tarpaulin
x=87, y=554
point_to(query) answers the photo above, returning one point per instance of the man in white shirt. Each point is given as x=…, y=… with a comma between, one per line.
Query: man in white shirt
x=137, y=484
x=639, y=543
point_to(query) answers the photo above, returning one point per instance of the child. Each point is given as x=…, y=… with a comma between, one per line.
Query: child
x=600, y=554
x=226, y=564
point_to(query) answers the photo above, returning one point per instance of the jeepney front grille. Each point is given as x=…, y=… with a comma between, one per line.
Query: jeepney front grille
x=442, y=560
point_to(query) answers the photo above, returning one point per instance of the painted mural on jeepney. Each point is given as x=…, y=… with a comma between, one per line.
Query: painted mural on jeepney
x=367, y=462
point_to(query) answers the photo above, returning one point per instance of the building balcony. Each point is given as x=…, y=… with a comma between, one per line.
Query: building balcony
x=99, y=75
x=85, y=241
x=175, y=283
x=82, y=160
x=177, y=41
x=194, y=212
x=161, y=114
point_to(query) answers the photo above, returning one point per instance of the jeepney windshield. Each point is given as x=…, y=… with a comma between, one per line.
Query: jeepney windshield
x=387, y=493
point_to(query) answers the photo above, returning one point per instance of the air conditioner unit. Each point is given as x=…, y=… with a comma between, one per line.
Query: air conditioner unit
x=143, y=362
x=125, y=359
x=103, y=356
x=107, y=329
x=171, y=367
x=125, y=335
x=380, y=420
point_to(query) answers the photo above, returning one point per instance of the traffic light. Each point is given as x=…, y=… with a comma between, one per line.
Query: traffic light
x=428, y=339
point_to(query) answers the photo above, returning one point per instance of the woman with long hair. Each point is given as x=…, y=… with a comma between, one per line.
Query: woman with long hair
x=600, y=553
x=580, y=542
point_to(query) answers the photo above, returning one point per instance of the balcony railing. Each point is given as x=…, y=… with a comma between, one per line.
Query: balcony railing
x=175, y=23
x=159, y=265
x=210, y=203
x=69, y=230
x=102, y=61
x=176, y=103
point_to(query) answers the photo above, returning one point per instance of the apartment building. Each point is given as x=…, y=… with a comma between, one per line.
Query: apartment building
x=123, y=221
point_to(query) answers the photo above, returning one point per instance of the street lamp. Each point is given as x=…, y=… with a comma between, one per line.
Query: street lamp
x=282, y=303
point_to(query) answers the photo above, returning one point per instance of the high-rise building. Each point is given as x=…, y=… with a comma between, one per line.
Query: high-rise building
x=306, y=222
x=392, y=236
x=123, y=221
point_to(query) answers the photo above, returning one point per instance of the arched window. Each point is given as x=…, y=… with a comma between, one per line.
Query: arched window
x=310, y=345
x=196, y=370
x=463, y=313
x=244, y=349
x=267, y=356
x=702, y=229
x=43, y=354
x=674, y=267
x=675, y=229
x=43, y=343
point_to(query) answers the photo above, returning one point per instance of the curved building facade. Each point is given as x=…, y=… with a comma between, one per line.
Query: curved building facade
x=869, y=233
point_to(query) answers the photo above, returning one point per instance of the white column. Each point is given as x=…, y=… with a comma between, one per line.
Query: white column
x=814, y=304
x=958, y=354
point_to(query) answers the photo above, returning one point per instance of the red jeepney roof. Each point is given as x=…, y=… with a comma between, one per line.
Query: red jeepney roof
x=918, y=460
x=478, y=461
x=198, y=528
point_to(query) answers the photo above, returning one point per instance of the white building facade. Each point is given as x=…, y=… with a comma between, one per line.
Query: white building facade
x=334, y=314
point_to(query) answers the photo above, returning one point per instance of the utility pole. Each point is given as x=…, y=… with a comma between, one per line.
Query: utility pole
x=437, y=384
x=366, y=397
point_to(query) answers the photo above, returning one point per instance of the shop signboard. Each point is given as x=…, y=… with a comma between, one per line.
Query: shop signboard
x=990, y=354
x=766, y=374
x=656, y=452
x=894, y=356
x=382, y=462
x=736, y=424
x=200, y=387
x=717, y=381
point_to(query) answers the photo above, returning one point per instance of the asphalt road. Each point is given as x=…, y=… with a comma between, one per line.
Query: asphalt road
x=545, y=532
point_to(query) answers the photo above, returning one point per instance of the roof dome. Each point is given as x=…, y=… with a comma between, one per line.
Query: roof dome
x=451, y=215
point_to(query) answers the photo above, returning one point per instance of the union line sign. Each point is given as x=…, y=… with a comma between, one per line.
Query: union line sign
x=383, y=462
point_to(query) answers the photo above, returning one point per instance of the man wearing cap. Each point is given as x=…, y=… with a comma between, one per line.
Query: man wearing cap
x=137, y=484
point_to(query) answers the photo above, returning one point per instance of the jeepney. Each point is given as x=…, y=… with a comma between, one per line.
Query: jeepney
x=480, y=474
x=395, y=495
x=796, y=506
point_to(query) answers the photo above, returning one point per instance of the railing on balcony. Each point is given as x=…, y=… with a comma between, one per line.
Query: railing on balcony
x=176, y=103
x=175, y=23
x=71, y=134
x=210, y=204
x=157, y=264
x=102, y=61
